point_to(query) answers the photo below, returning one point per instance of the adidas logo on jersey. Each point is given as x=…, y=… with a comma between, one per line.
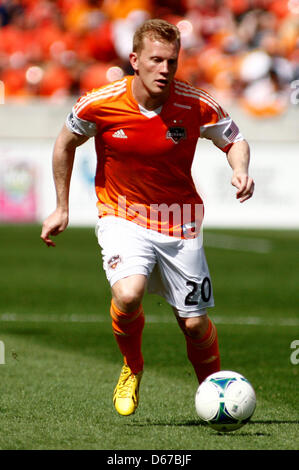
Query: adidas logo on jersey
x=120, y=134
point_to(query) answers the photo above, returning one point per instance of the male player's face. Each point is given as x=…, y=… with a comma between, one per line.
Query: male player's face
x=155, y=65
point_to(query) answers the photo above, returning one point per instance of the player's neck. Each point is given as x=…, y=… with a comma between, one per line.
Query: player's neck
x=145, y=98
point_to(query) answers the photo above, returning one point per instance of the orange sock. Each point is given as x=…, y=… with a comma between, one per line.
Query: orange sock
x=203, y=353
x=127, y=329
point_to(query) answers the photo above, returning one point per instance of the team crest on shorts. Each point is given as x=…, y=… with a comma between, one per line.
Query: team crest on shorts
x=113, y=261
x=176, y=134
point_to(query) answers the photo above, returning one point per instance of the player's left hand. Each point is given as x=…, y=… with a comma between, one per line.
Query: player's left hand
x=244, y=185
x=55, y=224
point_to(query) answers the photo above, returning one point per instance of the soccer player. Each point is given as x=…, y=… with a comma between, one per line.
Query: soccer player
x=146, y=127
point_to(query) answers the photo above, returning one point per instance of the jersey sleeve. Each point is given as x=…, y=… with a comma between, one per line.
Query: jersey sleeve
x=80, y=126
x=81, y=120
x=216, y=125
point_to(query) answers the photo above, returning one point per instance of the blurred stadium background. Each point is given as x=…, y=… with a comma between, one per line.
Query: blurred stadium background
x=244, y=52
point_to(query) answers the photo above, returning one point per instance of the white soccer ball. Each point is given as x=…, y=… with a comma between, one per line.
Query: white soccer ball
x=225, y=400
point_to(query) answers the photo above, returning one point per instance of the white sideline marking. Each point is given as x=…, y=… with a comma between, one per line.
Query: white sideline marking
x=231, y=242
x=36, y=318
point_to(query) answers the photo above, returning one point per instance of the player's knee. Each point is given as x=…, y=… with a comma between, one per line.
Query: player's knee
x=128, y=292
x=196, y=326
x=127, y=299
x=128, y=302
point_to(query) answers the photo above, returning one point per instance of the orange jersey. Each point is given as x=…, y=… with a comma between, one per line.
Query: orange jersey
x=144, y=158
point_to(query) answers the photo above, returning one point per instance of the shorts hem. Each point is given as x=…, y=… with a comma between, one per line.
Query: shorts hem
x=193, y=313
x=127, y=272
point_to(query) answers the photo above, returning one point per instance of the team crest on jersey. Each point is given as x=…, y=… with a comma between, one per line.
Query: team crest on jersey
x=176, y=134
x=113, y=261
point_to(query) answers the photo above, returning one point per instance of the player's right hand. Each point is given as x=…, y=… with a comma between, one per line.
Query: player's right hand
x=54, y=225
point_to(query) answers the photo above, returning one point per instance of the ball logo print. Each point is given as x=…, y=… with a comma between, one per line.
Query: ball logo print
x=225, y=401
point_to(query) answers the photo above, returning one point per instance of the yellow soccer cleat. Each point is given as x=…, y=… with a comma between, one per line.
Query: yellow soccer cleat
x=126, y=392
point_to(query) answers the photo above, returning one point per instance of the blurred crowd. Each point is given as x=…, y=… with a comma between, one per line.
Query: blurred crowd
x=244, y=51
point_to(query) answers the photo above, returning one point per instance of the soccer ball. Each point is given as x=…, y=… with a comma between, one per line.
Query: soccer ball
x=225, y=400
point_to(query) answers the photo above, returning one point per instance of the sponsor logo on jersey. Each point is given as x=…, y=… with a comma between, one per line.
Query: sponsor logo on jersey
x=120, y=134
x=176, y=134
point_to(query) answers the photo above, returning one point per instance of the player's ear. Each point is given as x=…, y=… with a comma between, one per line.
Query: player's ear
x=134, y=61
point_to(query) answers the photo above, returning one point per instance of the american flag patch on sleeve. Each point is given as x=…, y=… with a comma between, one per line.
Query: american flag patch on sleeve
x=231, y=132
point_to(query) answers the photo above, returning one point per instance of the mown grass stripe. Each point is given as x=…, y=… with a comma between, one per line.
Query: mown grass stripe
x=79, y=318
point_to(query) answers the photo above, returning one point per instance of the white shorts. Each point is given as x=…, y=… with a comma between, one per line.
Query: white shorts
x=176, y=268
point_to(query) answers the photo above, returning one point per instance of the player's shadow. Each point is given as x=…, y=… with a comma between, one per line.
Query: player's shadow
x=273, y=421
x=238, y=432
x=195, y=422
x=199, y=424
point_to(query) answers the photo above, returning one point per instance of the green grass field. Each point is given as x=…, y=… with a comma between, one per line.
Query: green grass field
x=62, y=363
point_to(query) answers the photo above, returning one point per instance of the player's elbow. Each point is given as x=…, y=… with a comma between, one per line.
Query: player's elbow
x=240, y=145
